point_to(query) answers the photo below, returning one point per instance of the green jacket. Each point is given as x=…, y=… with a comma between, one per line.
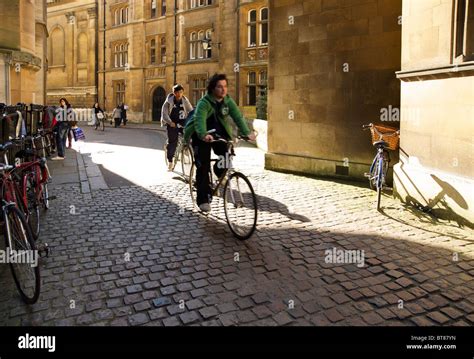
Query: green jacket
x=205, y=108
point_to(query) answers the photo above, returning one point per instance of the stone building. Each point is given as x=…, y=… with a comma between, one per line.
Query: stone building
x=23, y=38
x=436, y=168
x=332, y=69
x=143, y=58
x=72, y=52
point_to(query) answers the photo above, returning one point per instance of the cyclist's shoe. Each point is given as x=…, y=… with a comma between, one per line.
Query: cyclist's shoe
x=205, y=207
x=170, y=166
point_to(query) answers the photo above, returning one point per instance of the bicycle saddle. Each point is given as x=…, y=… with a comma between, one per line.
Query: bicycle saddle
x=380, y=144
x=5, y=146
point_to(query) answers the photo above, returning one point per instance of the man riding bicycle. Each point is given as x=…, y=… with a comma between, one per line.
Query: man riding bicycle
x=174, y=112
x=212, y=113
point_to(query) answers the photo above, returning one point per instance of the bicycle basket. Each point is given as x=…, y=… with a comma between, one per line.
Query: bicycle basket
x=389, y=135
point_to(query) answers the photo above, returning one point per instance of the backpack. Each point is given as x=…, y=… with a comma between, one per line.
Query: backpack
x=190, y=117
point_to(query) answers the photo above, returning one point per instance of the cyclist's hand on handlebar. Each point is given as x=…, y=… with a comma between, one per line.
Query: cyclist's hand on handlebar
x=252, y=136
x=208, y=138
x=172, y=124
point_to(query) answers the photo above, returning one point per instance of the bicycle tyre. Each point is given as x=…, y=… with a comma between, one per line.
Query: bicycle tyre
x=187, y=159
x=380, y=180
x=230, y=203
x=17, y=231
x=191, y=184
x=44, y=196
x=33, y=217
x=102, y=125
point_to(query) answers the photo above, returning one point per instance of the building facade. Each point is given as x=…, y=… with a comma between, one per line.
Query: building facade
x=72, y=52
x=23, y=39
x=332, y=69
x=436, y=168
x=149, y=46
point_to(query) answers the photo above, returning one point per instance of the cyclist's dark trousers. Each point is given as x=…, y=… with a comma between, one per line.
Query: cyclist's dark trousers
x=202, y=157
x=173, y=133
x=62, y=129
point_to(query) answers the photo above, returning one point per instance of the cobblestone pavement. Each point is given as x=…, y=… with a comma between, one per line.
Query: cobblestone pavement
x=133, y=255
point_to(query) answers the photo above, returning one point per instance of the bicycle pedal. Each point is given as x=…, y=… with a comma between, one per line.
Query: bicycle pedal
x=368, y=175
x=43, y=250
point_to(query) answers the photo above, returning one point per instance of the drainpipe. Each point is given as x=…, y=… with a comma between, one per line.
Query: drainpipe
x=175, y=41
x=237, y=58
x=97, y=50
x=104, y=60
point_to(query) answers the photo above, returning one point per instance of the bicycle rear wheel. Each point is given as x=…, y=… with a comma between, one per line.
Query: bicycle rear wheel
x=17, y=232
x=240, y=206
x=192, y=184
x=102, y=125
x=32, y=204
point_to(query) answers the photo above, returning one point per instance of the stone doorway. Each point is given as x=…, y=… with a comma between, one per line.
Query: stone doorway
x=159, y=98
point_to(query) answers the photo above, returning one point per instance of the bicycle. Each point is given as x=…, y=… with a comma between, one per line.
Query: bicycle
x=183, y=154
x=100, y=121
x=19, y=239
x=384, y=138
x=240, y=201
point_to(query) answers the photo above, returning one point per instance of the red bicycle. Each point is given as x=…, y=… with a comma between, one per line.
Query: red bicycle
x=18, y=239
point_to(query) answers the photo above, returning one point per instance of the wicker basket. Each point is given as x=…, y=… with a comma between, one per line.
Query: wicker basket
x=388, y=134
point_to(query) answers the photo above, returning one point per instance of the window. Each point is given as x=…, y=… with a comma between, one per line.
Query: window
x=196, y=49
x=119, y=92
x=120, y=15
x=193, y=44
x=153, y=51
x=163, y=7
x=252, y=89
x=252, y=28
x=153, y=9
x=258, y=27
x=262, y=83
x=120, y=54
x=264, y=26
x=199, y=3
x=198, y=88
x=464, y=34
x=163, y=50
x=200, y=52
x=208, y=52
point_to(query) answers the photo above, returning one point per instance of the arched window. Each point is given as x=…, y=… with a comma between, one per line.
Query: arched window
x=192, y=45
x=200, y=53
x=57, y=47
x=263, y=25
x=252, y=28
x=163, y=50
x=82, y=49
x=152, y=51
x=208, y=52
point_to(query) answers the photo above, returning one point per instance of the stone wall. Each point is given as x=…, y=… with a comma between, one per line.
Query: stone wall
x=332, y=69
x=436, y=168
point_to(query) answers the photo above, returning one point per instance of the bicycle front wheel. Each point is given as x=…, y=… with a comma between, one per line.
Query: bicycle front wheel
x=379, y=181
x=19, y=239
x=102, y=125
x=240, y=206
x=187, y=158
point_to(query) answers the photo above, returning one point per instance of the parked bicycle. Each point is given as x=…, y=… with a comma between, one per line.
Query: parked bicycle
x=240, y=201
x=384, y=138
x=19, y=240
x=100, y=121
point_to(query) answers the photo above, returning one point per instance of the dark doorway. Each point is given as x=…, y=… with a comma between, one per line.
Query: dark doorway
x=159, y=98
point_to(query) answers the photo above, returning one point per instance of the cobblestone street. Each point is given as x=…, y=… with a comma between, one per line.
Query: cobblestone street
x=127, y=248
